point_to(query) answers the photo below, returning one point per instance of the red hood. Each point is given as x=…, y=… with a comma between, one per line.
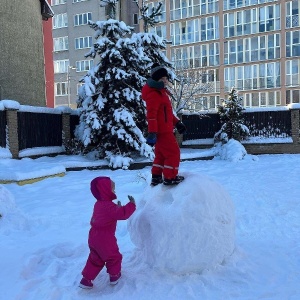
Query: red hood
x=101, y=189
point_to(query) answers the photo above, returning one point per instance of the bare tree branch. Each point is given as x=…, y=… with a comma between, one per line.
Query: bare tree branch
x=149, y=19
x=111, y=7
x=190, y=86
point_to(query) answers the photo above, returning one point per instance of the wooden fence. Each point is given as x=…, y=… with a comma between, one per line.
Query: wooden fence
x=39, y=130
x=24, y=130
x=2, y=128
x=265, y=124
x=20, y=130
x=74, y=121
x=271, y=131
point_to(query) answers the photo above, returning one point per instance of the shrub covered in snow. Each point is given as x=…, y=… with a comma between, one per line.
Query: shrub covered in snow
x=231, y=114
x=232, y=150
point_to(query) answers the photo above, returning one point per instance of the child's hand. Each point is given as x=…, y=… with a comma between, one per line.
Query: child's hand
x=131, y=199
x=119, y=203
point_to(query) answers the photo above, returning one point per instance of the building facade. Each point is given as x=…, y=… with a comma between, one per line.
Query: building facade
x=252, y=45
x=22, y=71
x=73, y=38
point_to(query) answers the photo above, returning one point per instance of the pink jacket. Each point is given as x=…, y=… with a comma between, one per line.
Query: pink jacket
x=106, y=213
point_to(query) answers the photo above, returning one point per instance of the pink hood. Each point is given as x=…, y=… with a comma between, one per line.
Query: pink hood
x=101, y=189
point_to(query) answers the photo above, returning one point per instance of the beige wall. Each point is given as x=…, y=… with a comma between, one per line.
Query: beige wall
x=22, y=55
x=127, y=9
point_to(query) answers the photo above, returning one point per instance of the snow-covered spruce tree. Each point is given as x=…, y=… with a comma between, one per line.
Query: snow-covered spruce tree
x=112, y=113
x=231, y=115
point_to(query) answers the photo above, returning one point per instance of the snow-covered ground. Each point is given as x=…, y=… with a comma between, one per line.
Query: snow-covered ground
x=44, y=228
x=28, y=168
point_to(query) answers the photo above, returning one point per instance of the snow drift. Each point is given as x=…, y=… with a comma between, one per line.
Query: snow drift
x=10, y=216
x=180, y=229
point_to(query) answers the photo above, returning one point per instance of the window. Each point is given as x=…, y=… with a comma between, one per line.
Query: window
x=135, y=19
x=159, y=30
x=61, y=66
x=60, y=21
x=84, y=65
x=83, y=42
x=261, y=99
x=265, y=75
x=61, y=43
x=292, y=12
x=293, y=72
x=189, y=31
x=210, y=81
x=257, y=48
x=196, y=56
x=269, y=18
x=293, y=43
x=208, y=54
x=82, y=19
x=161, y=18
x=251, y=21
x=232, y=4
x=292, y=96
x=255, y=99
x=180, y=9
x=58, y=2
x=78, y=87
x=61, y=88
x=213, y=102
x=46, y=10
x=271, y=98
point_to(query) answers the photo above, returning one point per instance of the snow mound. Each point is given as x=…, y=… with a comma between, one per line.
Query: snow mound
x=11, y=217
x=185, y=228
x=233, y=150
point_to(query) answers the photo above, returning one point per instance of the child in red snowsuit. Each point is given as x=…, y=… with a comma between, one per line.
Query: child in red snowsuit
x=161, y=123
x=104, y=250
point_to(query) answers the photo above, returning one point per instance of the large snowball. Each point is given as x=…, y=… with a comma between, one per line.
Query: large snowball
x=184, y=228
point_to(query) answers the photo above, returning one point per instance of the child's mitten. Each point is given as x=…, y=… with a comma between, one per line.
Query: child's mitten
x=131, y=199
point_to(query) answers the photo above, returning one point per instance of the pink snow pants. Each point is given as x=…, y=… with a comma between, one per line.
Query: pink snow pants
x=102, y=253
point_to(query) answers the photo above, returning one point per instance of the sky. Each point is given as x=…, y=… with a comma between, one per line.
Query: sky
x=230, y=230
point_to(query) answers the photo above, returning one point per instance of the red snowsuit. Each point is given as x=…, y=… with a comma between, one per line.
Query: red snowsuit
x=161, y=120
x=103, y=245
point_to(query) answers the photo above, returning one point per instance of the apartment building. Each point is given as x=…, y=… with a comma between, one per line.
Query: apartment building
x=22, y=60
x=252, y=45
x=73, y=38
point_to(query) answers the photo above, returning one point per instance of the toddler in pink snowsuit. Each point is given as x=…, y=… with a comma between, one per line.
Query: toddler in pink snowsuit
x=104, y=250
